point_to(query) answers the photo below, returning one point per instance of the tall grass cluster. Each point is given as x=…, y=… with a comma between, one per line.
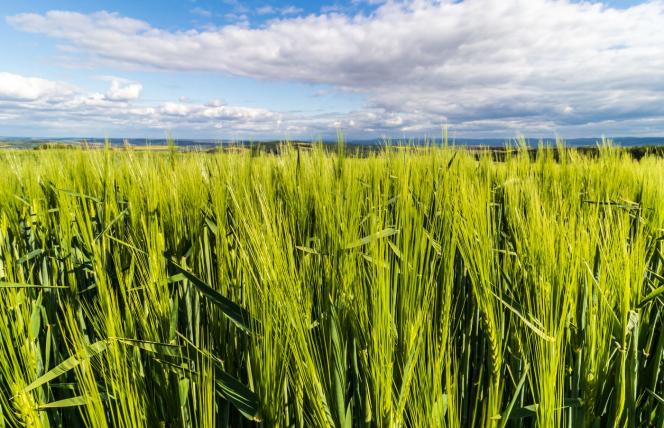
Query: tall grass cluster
x=429, y=287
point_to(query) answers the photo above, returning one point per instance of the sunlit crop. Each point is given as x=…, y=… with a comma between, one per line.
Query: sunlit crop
x=417, y=287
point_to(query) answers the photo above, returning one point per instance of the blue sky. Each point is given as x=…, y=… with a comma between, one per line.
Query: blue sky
x=301, y=69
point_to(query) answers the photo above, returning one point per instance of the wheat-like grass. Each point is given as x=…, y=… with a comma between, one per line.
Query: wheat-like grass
x=417, y=286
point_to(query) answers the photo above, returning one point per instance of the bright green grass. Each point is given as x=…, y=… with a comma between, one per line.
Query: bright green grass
x=411, y=288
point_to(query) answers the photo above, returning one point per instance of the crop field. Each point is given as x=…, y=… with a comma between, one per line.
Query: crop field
x=411, y=287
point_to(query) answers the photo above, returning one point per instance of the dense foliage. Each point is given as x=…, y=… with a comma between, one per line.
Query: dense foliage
x=413, y=287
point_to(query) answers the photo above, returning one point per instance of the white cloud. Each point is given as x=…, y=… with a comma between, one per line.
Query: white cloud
x=95, y=113
x=40, y=103
x=20, y=88
x=124, y=91
x=543, y=65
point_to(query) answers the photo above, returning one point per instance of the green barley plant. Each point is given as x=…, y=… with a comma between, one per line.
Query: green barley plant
x=430, y=286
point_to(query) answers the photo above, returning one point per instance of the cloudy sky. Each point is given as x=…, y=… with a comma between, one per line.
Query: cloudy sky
x=302, y=69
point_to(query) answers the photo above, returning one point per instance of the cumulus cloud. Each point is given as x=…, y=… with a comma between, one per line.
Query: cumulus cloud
x=42, y=103
x=121, y=90
x=78, y=112
x=21, y=88
x=538, y=64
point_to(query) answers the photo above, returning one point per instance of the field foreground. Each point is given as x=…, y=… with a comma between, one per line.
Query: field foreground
x=415, y=288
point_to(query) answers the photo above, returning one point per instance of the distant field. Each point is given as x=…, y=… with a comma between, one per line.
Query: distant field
x=308, y=288
x=375, y=142
x=637, y=147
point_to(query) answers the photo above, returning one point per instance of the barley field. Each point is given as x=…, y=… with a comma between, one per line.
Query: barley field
x=412, y=287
